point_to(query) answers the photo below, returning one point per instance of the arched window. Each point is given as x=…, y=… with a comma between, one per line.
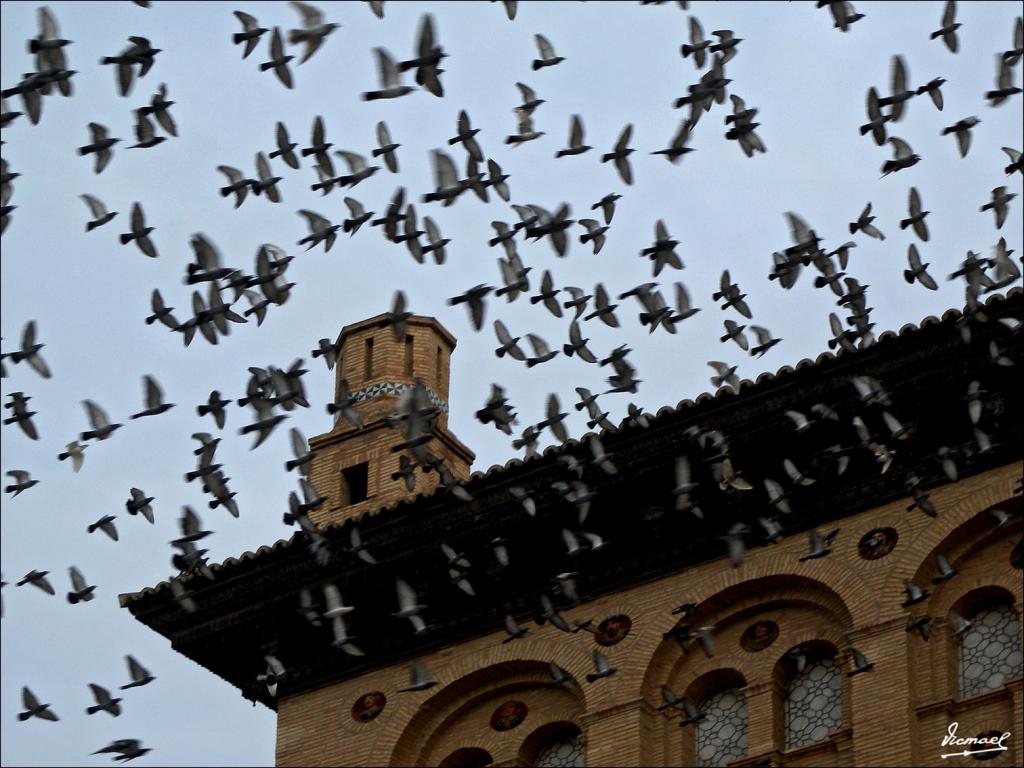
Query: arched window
x=989, y=653
x=722, y=733
x=567, y=751
x=814, y=702
x=558, y=743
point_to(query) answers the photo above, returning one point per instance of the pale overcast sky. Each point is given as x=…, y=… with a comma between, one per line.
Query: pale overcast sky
x=89, y=295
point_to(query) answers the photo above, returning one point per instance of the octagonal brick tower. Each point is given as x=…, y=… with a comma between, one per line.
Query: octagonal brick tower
x=353, y=467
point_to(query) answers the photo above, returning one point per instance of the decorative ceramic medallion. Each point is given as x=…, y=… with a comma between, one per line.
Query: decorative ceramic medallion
x=759, y=635
x=877, y=543
x=508, y=715
x=613, y=630
x=368, y=706
x=979, y=755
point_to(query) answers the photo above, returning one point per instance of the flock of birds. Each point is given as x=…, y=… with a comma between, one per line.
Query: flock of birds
x=273, y=392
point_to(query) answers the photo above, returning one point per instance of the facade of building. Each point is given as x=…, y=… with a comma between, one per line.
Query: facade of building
x=787, y=660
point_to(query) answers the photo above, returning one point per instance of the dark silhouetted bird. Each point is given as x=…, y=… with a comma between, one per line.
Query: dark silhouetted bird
x=949, y=27
x=100, y=146
x=903, y=157
x=548, y=57
x=139, y=232
x=278, y=61
x=962, y=129
x=620, y=154
x=251, y=33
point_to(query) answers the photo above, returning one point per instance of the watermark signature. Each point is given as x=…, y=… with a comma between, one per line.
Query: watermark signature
x=983, y=744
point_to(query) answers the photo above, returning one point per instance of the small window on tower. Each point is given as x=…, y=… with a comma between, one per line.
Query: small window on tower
x=368, y=372
x=437, y=367
x=408, y=355
x=355, y=483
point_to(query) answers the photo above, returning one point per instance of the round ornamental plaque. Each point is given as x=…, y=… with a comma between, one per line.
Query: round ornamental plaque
x=613, y=630
x=986, y=749
x=877, y=543
x=368, y=706
x=508, y=715
x=759, y=635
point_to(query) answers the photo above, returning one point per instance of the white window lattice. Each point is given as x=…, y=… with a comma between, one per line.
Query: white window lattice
x=564, y=753
x=814, y=703
x=990, y=651
x=722, y=734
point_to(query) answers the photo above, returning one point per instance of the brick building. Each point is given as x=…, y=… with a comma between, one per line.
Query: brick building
x=779, y=686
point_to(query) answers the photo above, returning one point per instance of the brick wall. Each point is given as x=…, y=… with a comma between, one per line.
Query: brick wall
x=895, y=715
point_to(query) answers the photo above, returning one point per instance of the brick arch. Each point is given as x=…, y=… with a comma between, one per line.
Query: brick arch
x=424, y=735
x=824, y=643
x=974, y=539
x=659, y=657
x=960, y=532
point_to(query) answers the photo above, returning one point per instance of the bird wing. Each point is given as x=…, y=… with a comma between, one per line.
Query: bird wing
x=136, y=670
x=263, y=167
x=525, y=123
x=97, y=208
x=154, y=397
x=233, y=174
x=763, y=334
x=527, y=92
x=299, y=445
x=276, y=45
x=949, y=14
x=47, y=24
x=444, y=170
x=316, y=221
x=143, y=128
x=547, y=51
x=101, y=694
x=138, y=218
x=624, y=137
x=696, y=31
x=386, y=69
x=540, y=347
x=355, y=207
x=28, y=699
x=249, y=23
x=963, y=141
x=901, y=148
x=77, y=579
x=898, y=75
x=576, y=132
x=624, y=169
x=383, y=135
x=406, y=596
x=425, y=43
x=356, y=162
x=311, y=17
x=274, y=665
x=798, y=228
x=97, y=417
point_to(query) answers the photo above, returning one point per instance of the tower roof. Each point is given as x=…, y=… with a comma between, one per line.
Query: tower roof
x=421, y=321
